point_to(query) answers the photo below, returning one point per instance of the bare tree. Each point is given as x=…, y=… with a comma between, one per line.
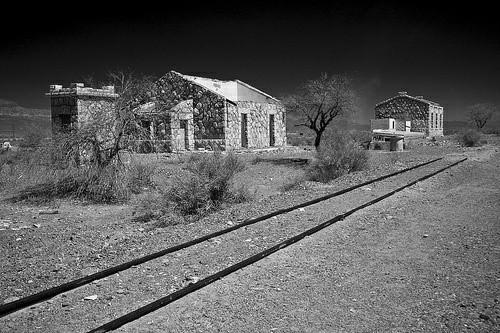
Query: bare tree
x=480, y=113
x=320, y=101
x=103, y=132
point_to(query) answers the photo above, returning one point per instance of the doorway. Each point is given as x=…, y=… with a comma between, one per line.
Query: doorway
x=244, y=130
x=271, y=130
x=184, y=130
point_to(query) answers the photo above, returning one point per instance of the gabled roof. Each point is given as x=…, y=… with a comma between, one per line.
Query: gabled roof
x=225, y=89
x=257, y=90
x=405, y=95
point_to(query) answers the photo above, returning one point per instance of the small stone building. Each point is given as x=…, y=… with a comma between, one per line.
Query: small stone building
x=77, y=103
x=222, y=114
x=186, y=113
x=412, y=114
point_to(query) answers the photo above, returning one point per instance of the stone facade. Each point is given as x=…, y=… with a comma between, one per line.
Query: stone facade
x=259, y=128
x=217, y=112
x=184, y=113
x=425, y=116
x=78, y=104
x=208, y=109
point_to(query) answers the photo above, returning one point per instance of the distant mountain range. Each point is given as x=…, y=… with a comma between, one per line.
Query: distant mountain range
x=16, y=121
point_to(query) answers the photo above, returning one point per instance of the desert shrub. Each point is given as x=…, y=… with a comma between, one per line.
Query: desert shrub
x=470, y=138
x=189, y=194
x=338, y=154
x=149, y=206
x=32, y=139
x=51, y=171
x=490, y=130
x=362, y=138
x=139, y=175
x=241, y=194
x=90, y=183
x=217, y=171
x=205, y=183
x=294, y=184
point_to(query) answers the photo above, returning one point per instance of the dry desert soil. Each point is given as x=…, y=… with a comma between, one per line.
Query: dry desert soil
x=426, y=259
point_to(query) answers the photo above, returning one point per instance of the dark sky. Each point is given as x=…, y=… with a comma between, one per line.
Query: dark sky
x=449, y=53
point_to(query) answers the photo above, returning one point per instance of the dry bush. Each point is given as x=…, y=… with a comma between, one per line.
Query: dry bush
x=470, y=138
x=362, y=138
x=297, y=183
x=90, y=183
x=153, y=205
x=139, y=175
x=338, y=154
x=33, y=139
x=206, y=183
x=51, y=172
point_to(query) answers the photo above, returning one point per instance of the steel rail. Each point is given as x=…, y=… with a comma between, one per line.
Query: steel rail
x=44, y=295
x=142, y=311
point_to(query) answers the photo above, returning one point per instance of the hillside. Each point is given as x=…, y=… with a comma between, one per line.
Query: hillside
x=293, y=119
x=16, y=120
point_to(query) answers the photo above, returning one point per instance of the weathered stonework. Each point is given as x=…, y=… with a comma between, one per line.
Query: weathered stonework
x=78, y=104
x=185, y=113
x=259, y=128
x=208, y=108
x=217, y=119
x=425, y=116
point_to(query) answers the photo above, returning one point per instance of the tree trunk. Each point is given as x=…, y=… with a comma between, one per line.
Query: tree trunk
x=317, y=140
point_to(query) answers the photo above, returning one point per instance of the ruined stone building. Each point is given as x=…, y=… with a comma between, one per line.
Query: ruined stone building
x=70, y=105
x=187, y=113
x=410, y=114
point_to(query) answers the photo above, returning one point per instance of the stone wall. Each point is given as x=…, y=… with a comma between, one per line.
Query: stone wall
x=78, y=104
x=435, y=121
x=405, y=108
x=208, y=108
x=258, y=124
x=63, y=106
x=97, y=109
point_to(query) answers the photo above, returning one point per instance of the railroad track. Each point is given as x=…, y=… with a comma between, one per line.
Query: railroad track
x=133, y=315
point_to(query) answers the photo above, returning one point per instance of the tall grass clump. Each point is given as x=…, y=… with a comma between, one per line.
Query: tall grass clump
x=470, y=138
x=337, y=155
x=139, y=175
x=205, y=183
x=51, y=172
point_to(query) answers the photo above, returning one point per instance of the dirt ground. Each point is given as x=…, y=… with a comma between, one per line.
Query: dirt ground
x=424, y=260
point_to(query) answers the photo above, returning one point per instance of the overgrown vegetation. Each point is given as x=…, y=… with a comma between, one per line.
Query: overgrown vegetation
x=205, y=183
x=33, y=139
x=338, y=154
x=470, y=138
x=46, y=173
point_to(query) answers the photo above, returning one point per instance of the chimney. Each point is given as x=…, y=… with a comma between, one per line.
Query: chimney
x=402, y=93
